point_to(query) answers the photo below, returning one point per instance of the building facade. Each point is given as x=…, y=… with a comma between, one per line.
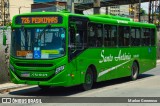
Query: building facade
x=119, y=10
x=48, y=6
x=19, y=7
x=134, y=12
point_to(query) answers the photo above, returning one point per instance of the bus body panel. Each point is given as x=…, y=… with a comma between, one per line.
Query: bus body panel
x=109, y=62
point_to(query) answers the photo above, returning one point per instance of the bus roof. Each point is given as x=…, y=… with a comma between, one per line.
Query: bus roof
x=108, y=19
x=113, y=17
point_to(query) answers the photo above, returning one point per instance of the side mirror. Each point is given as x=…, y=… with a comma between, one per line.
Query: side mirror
x=4, y=39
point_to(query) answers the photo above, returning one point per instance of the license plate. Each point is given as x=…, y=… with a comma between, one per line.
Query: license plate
x=25, y=74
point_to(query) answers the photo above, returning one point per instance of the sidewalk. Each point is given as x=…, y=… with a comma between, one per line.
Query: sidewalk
x=158, y=61
x=6, y=87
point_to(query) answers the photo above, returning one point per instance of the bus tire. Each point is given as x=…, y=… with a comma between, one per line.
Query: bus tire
x=88, y=81
x=44, y=87
x=134, y=71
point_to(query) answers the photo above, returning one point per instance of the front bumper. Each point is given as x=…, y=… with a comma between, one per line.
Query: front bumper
x=58, y=80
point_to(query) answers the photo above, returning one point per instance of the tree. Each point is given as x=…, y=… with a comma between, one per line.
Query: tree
x=143, y=12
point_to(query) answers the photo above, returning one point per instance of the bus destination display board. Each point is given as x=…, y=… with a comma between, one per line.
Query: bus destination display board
x=38, y=20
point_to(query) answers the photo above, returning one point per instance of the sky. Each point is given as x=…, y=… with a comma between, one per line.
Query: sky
x=145, y=6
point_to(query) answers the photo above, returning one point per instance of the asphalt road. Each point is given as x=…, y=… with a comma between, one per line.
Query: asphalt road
x=147, y=85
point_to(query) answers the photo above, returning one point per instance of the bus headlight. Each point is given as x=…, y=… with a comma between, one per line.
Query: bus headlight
x=12, y=68
x=59, y=69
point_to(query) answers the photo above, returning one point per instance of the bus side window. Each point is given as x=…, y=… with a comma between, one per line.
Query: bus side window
x=71, y=38
x=78, y=34
x=145, y=37
x=114, y=36
x=95, y=38
x=107, y=38
x=91, y=35
x=135, y=36
x=152, y=34
x=123, y=36
x=138, y=37
x=110, y=35
x=127, y=36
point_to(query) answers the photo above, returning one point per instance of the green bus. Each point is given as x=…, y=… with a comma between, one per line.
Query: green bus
x=66, y=49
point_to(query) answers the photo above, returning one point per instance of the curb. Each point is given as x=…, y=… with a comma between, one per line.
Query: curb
x=9, y=88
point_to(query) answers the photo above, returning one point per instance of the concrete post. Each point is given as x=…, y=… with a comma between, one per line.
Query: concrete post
x=70, y=6
x=96, y=7
x=139, y=10
x=106, y=9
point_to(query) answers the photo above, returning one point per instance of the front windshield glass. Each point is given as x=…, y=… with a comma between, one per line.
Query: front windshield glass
x=38, y=43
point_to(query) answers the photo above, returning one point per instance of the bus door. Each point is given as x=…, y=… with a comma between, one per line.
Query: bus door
x=77, y=45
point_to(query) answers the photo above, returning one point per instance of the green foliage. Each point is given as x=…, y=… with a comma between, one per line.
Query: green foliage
x=143, y=12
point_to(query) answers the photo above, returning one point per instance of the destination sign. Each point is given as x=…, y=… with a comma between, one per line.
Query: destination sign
x=38, y=20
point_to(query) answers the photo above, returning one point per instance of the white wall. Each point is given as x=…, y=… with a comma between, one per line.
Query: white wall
x=16, y=4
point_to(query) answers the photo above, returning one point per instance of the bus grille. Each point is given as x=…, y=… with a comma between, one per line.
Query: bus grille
x=33, y=65
x=35, y=79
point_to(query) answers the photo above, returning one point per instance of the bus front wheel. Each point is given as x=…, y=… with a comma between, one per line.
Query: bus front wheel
x=88, y=81
x=134, y=71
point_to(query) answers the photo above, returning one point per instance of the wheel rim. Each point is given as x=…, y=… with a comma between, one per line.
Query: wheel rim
x=88, y=79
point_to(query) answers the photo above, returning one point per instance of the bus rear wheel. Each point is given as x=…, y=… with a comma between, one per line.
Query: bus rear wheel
x=88, y=81
x=134, y=71
x=44, y=87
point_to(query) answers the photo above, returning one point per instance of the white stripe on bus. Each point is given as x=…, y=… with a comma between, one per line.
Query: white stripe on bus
x=108, y=70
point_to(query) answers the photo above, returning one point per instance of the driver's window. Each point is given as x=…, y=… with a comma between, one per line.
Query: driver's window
x=78, y=33
x=72, y=37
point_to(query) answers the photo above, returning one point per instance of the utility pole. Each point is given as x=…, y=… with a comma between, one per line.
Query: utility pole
x=4, y=12
x=4, y=16
x=155, y=10
x=19, y=9
x=106, y=9
x=149, y=14
x=139, y=10
x=70, y=6
x=159, y=16
x=96, y=7
x=1, y=12
x=152, y=11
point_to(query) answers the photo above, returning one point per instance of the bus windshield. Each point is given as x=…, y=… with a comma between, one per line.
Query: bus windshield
x=38, y=43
